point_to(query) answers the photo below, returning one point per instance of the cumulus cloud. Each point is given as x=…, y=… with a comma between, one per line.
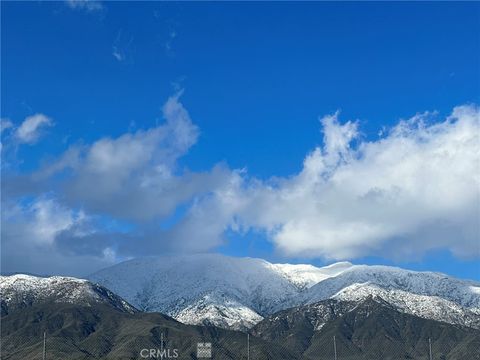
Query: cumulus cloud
x=44, y=217
x=415, y=189
x=87, y=5
x=30, y=232
x=134, y=176
x=30, y=130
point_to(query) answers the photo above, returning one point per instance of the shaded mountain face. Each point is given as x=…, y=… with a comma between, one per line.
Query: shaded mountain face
x=371, y=329
x=86, y=321
x=21, y=291
x=103, y=332
x=82, y=320
x=237, y=293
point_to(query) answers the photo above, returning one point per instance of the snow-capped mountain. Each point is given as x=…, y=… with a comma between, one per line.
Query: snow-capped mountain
x=19, y=291
x=210, y=288
x=372, y=328
x=239, y=292
x=425, y=294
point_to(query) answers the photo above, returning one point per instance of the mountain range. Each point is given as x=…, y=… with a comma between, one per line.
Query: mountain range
x=223, y=291
x=281, y=311
x=237, y=293
x=368, y=329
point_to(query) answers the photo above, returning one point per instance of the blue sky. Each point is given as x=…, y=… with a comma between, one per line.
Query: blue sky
x=254, y=78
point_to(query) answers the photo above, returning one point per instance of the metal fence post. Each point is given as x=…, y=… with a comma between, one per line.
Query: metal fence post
x=430, y=347
x=334, y=347
x=44, y=355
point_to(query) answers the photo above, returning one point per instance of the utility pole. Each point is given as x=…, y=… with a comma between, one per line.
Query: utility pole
x=430, y=347
x=44, y=345
x=335, y=347
x=248, y=346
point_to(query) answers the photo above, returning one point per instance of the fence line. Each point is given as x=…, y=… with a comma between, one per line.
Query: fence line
x=213, y=346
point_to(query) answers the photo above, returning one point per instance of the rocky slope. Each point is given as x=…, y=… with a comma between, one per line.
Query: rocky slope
x=369, y=329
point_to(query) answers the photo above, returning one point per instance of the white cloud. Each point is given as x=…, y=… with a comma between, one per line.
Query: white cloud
x=87, y=5
x=169, y=42
x=337, y=140
x=413, y=190
x=31, y=128
x=135, y=176
x=133, y=179
x=45, y=217
x=117, y=54
x=30, y=234
x=122, y=48
x=5, y=124
x=416, y=188
x=49, y=219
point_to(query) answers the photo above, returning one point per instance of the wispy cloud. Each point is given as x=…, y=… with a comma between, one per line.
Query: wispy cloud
x=31, y=129
x=172, y=35
x=122, y=48
x=86, y=5
x=118, y=54
x=5, y=124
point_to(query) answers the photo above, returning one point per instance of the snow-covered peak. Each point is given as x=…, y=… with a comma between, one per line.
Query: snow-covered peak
x=425, y=294
x=185, y=286
x=237, y=292
x=191, y=276
x=305, y=275
x=31, y=282
x=24, y=290
x=459, y=291
x=425, y=306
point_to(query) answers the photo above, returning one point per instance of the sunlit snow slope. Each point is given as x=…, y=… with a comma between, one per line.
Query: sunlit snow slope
x=210, y=288
x=238, y=292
